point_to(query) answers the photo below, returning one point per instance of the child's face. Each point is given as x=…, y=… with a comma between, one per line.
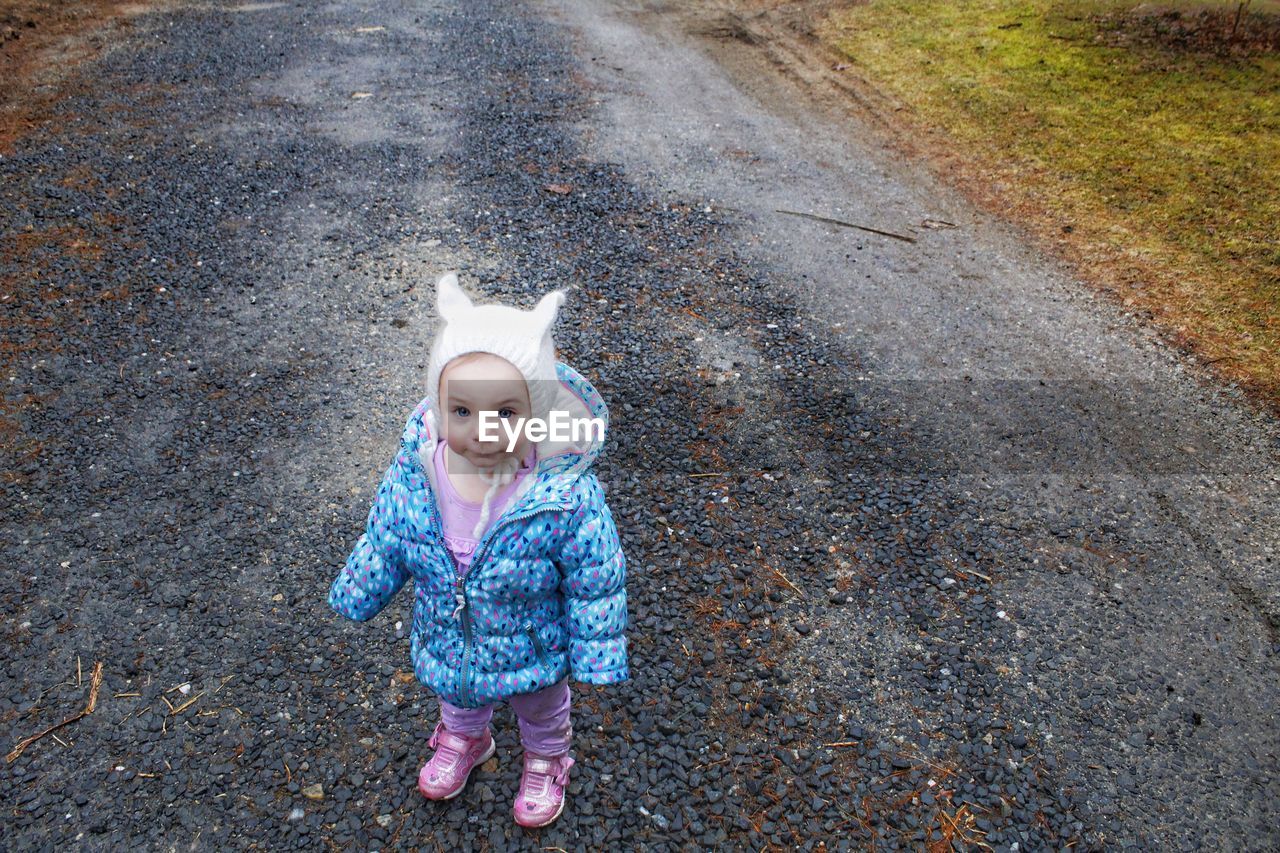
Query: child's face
x=483, y=382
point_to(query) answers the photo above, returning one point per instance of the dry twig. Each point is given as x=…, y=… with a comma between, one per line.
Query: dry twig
x=843, y=224
x=95, y=682
x=787, y=581
x=187, y=704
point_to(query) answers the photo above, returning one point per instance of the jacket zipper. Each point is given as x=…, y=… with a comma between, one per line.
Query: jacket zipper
x=436, y=526
x=538, y=650
x=476, y=562
x=460, y=581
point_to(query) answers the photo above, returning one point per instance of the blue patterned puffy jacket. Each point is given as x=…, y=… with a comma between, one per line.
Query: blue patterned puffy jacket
x=545, y=595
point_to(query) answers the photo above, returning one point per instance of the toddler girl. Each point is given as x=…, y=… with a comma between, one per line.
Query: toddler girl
x=517, y=568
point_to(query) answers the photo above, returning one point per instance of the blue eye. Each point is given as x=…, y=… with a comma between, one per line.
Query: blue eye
x=506, y=413
x=461, y=411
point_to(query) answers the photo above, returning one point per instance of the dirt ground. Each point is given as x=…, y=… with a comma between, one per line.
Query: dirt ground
x=29, y=27
x=751, y=38
x=819, y=561
x=40, y=42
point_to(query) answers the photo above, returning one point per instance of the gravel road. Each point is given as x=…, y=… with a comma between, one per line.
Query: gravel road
x=926, y=545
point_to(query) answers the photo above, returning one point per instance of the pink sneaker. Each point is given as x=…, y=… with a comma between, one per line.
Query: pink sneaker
x=446, y=774
x=541, y=797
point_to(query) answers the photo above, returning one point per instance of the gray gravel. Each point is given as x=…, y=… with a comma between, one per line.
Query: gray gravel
x=898, y=598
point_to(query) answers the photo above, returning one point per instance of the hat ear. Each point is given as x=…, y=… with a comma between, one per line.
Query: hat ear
x=544, y=315
x=450, y=300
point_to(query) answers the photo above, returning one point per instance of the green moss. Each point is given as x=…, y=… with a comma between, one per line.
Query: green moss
x=1179, y=148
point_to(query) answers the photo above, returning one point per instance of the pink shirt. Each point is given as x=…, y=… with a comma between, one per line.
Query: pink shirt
x=459, y=517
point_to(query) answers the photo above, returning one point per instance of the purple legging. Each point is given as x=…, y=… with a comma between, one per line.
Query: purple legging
x=544, y=719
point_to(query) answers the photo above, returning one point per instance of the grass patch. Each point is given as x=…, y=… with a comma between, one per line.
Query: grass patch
x=1144, y=141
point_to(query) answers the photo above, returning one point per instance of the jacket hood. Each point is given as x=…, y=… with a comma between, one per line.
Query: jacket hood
x=559, y=463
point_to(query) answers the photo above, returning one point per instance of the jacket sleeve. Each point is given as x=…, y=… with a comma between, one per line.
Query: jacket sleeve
x=375, y=571
x=594, y=587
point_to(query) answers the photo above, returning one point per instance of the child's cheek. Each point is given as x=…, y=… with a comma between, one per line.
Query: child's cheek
x=453, y=437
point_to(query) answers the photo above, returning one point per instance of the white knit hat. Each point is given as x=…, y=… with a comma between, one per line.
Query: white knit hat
x=521, y=337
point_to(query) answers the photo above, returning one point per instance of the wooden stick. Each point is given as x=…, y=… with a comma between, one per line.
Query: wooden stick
x=187, y=704
x=843, y=224
x=788, y=582
x=95, y=682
